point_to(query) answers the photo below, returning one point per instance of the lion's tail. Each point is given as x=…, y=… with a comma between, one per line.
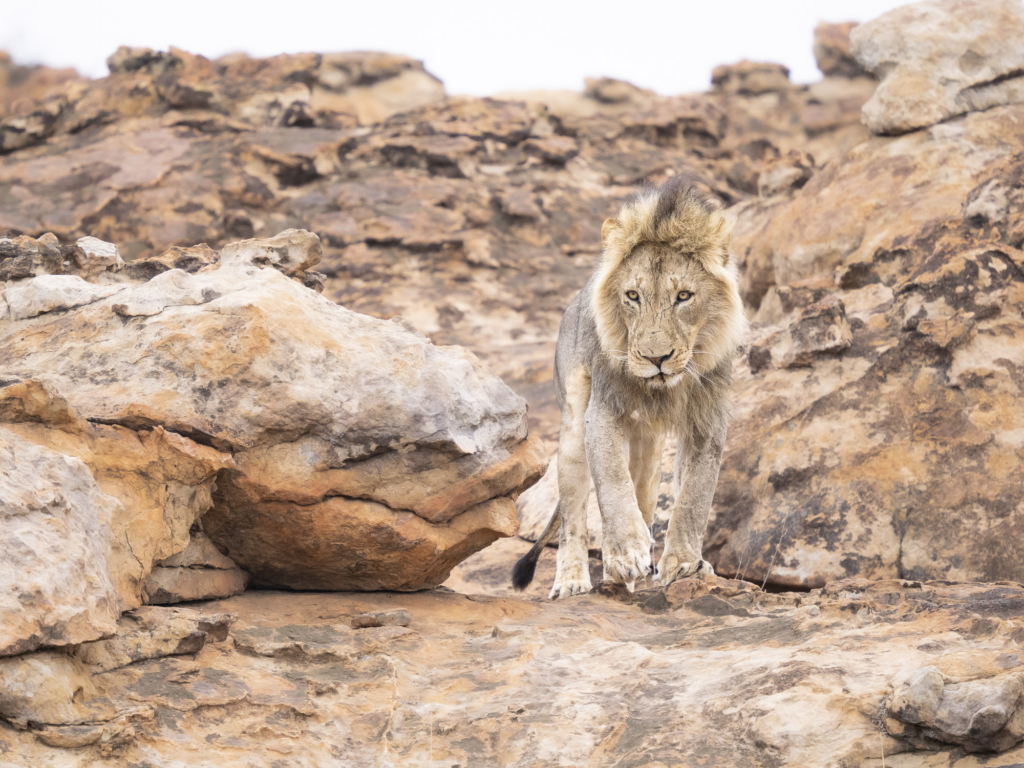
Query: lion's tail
x=522, y=573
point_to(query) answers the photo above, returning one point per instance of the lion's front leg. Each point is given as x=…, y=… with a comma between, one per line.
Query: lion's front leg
x=697, y=464
x=626, y=539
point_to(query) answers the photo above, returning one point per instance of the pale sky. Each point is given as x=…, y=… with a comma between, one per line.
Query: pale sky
x=476, y=48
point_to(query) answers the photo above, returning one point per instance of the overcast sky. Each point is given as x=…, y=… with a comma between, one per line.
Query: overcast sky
x=476, y=47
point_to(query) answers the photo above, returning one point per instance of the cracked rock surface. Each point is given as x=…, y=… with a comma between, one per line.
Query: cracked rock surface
x=708, y=670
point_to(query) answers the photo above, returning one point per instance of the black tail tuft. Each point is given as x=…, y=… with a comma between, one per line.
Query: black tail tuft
x=522, y=573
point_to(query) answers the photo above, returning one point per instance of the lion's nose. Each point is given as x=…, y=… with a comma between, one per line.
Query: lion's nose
x=659, y=360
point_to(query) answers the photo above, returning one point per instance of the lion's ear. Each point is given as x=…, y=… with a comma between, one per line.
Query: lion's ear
x=609, y=226
x=721, y=230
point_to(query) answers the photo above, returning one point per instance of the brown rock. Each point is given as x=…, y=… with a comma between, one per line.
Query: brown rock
x=829, y=469
x=608, y=90
x=755, y=679
x=399, y=618
x=750, y=78
x=832, y=50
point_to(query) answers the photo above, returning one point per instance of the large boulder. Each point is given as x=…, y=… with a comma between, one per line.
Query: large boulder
x=878, y=410
x=941, y=58
x=364, y=456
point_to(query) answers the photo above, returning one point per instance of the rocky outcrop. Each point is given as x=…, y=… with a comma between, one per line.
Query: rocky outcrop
x=362, y=456
x=878, y=439
x=939, y=59
x=232, y=94
x=709, y=670
x=86, y=510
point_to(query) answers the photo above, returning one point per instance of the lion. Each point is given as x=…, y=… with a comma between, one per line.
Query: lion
x=644, y=353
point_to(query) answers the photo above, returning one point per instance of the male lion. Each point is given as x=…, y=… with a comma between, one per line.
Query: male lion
x=644, y=351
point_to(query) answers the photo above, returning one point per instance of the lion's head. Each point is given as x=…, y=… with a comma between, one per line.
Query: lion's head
x=666, y=298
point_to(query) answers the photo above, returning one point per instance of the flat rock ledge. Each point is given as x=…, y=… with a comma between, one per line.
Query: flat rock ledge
x=708, y=671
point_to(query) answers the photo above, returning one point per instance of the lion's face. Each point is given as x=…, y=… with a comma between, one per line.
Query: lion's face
x=665, y=302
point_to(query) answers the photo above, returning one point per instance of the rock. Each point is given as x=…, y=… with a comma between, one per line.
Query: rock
x=200, y=553
x=22, y=257
x=399, y=458
x=93, y=507
x=750, y=78
x=152, y=633
x=907, y=390
x=981, y=715
x=48, y=293
x=290, y=252
x=56, y=694
x=399, y=618
x=165, y=586
x=608, y=90
x=785, y=174
x=198, y=572
x=57, y=527
x=754, y=678
x=832, y=50
x=20, y=131
x=820, y=329
x=939, y=59
x=188, y=259
x=97, y=256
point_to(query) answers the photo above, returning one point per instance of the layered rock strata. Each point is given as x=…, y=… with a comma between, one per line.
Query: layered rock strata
x=359, y=455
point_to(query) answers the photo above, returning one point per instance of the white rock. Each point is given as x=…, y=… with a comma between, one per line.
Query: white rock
x=940, y=59
x=46, y=293
x=100, y=255
x=291, y=251
x=55, y=525
x=171, y=288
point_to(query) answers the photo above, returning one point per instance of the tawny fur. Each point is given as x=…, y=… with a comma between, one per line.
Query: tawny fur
x=620, y=394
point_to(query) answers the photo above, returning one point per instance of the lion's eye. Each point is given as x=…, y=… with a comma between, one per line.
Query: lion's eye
x=632, y=295
x=685, y=295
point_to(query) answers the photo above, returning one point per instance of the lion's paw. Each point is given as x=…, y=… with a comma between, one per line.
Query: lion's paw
x=627, y=558
x=671, y=568
x=572, y=577
x=565, y=589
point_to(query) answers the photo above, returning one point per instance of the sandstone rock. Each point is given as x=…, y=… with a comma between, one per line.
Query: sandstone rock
x=829, y=468
x=608, y=90
x=982, y=715
x=190, y=259
x=785, y=174
x=104, y=504
x=832, y=50
x=754, y=679
x=48, y=293
x=940, y=58
x=400, y=458
x=290, y=252
x=20, y=131
x=57, y=529
x=399, y=618
x=22, y=257
x=198, y=572
x=749, y=78
x=99, y=256
x=151, y=633
x=820, y=328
